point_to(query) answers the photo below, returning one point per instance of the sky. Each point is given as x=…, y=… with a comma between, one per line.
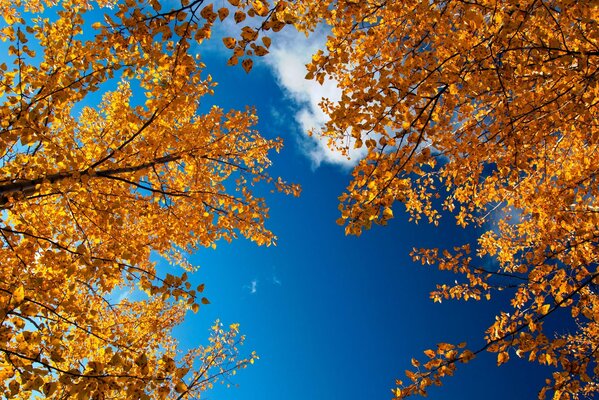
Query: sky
x=332, y=316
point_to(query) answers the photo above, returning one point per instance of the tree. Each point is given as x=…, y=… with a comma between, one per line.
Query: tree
x=92, y=191
x=488, y=110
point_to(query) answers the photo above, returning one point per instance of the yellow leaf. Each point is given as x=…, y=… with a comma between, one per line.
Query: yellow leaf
x=387, y=212
x=544, y=309
x=260, y=8
x=502, y=357
x=557, y=395
x=18, y=295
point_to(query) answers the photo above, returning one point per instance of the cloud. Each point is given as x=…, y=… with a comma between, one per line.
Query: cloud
x=287, y=59
x=289, y=54
x=266, y=279
x=253, y=286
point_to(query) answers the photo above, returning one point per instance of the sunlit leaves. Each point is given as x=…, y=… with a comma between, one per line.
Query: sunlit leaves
x=487, y=111
x=95, y=189
x=18, y=295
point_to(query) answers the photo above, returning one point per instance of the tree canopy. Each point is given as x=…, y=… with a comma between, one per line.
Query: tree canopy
x=486, y=110
x=94, y=189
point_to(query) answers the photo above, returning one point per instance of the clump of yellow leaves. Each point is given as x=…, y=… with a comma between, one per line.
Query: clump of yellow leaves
x=486, y=109
x=88, y=192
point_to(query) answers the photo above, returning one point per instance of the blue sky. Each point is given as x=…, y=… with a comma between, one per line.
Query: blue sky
x=331, y=316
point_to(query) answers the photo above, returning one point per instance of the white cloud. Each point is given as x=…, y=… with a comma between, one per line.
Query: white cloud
x=287, y=59
x=253, y=286
x=289, y=54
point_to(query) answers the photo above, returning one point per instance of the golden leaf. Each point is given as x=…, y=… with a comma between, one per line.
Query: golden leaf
x=18, y=295
x=223, y=13
x=247, y=64
x=267, y=41
x=239, y=16
x=229, y=42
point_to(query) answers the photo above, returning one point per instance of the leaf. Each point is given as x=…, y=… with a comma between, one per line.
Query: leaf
x=260, y=8
x=260, y=51
x=229, y=42
x=223, y=13
x=248, y=33
x=239, y=16
x=49, y=388
x=180, y=387
x=207, y=11
x=247, y=64
x=544, y=309
x=18, y=295
x=502, y=357
x=233, y=60
x=205, y=300
x=387, y=212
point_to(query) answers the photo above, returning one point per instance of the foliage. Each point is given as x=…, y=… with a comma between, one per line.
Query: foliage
x=493, y=103
x=92, y=193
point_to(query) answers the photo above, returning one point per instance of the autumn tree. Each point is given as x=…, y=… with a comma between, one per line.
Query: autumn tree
x=487, y=110
x=95, y=188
